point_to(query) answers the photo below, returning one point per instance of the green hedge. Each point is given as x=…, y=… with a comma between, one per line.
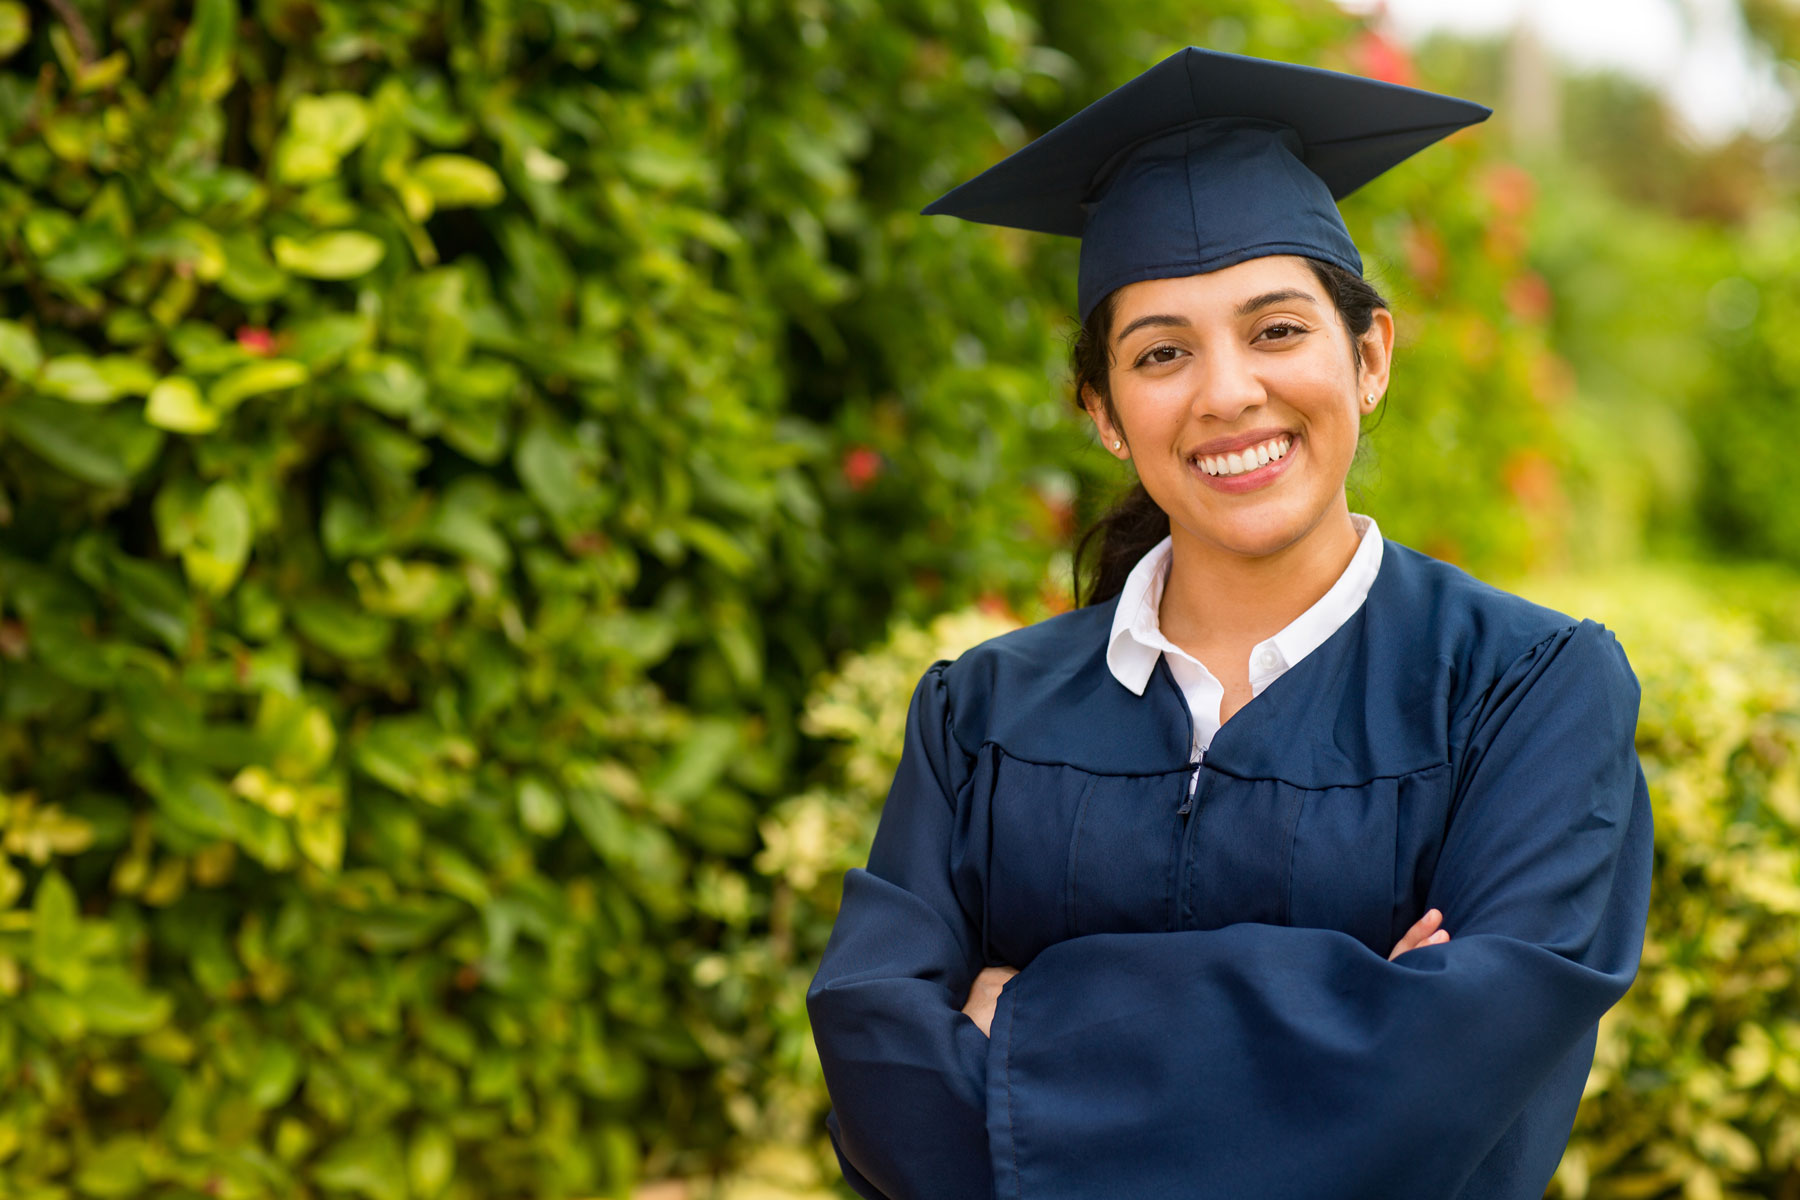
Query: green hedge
x=1696, y=1084
x=439, y=443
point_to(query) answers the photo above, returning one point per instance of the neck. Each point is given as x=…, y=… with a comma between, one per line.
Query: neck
x=1215, y=594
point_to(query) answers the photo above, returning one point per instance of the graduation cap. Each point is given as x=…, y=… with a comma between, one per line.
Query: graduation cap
x=1206, y=160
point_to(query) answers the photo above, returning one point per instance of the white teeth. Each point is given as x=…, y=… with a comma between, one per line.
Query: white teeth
x=1238, y=462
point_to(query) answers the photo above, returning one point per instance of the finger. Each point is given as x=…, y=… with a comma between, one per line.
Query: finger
x=1438, y=938
x=1415, y=937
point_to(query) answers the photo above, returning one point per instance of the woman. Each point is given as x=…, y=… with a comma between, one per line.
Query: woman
x=1294, y=864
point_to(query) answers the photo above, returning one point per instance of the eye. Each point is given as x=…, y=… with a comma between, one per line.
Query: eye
x=1157, y=356
x=1281, y=331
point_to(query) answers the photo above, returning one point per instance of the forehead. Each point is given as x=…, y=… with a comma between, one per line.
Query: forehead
x=1217, y=292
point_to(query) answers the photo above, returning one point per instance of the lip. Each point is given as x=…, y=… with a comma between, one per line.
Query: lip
x=1226, y=445
x=1249, y=481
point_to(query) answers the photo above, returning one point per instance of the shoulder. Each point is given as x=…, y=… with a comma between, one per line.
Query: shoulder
x=1446, y=611
x=1481, y=634
x=1045, y=693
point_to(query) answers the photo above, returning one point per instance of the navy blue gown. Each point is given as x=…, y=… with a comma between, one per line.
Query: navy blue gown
x=1205, y=1007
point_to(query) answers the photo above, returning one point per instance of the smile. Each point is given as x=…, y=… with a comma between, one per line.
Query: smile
x=1242, y=461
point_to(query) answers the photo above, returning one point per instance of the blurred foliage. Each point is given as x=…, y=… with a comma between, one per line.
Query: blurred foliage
x=1696, y=1085
x=439, y=445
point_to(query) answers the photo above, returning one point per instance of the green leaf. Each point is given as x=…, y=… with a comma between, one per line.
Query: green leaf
x=206, y=66
x=322, y=342
x=45, y=229
x=151, y=594
x=188, y=242
x=15, y=27
x=57, y=1013
x=321, y=131
x=392, y=386
x=83, y=380
x=341, y=629
x=550, y=469
x=540, y=808
x=114, y=1003
x=458, y=181
x=346, y=254
x=430, y=1161
x=56, y=931
x=255, y=379
x=221, y=543
x=370, y=1165
x=250, y=274
x=19, y=353
x=115, y=1168
x=105, y=447
x=276, y=1072
x=176, y=404
x=194, y=800
x=88, y=256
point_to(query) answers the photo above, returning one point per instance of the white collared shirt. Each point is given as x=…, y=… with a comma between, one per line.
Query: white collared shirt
x=1136, y=641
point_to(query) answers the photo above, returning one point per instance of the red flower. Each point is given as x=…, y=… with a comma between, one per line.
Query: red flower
x=1424, y=255
x=1511, y=190
x=860, y=467
x=995, y=605
x=1528, y=297
x=1381, y=57
x=256, y=340
x=1532, y=477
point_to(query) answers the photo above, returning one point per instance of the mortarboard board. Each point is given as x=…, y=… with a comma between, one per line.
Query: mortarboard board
x=1206, y=160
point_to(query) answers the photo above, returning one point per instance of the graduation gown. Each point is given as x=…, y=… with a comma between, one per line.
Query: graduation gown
x=1204, y=1006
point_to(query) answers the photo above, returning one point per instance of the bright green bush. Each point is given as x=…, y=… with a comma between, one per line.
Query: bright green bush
x=1696, y=1084
x=438, y=446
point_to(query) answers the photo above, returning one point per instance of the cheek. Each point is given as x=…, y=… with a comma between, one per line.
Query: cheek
x=1150, y=407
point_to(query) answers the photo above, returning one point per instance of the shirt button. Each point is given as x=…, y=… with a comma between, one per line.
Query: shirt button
x=1268, y=660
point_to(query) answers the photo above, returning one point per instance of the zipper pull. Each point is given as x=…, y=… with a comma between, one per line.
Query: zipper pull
x=1187, y=805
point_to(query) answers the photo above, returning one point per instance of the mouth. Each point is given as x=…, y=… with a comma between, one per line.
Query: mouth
x=1244, y=468
x=1238, y=463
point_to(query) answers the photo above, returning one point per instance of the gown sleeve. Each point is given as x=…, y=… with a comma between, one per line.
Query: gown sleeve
x=1285, y=1062
x=907, y=1071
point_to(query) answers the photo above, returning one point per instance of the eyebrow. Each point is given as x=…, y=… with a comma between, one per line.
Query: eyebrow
x=1256, y=303
x=1253, y=304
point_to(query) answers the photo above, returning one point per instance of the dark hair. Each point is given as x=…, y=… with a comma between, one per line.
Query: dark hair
x=1136, y=523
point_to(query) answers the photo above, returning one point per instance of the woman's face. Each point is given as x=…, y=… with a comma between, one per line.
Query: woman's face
x=1239, y=398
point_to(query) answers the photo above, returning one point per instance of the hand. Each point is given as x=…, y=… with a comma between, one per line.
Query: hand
x=1425, y=932
x=984, y=994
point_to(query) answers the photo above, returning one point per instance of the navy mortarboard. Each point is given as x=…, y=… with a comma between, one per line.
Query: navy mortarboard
x=1206, y=160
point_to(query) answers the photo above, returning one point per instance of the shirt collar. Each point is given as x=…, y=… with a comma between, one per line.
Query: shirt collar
x=1137, y=641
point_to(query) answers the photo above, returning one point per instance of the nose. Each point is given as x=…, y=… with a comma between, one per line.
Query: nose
x=1227, y=386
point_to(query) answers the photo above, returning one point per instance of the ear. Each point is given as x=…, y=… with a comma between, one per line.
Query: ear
x=1377, y=346
x=1110, y=437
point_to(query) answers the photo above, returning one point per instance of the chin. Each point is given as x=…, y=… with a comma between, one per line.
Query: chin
x=1258, y=534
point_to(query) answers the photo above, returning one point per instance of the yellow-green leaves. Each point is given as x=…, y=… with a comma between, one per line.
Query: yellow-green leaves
x=15, y=27
x=80, y=379
x=457, y=181
x=206, y=66
x=254, y=379
x=20, y=356
x=321, y=131
x=346, y=254
x=211, y=530
x=177, y=405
